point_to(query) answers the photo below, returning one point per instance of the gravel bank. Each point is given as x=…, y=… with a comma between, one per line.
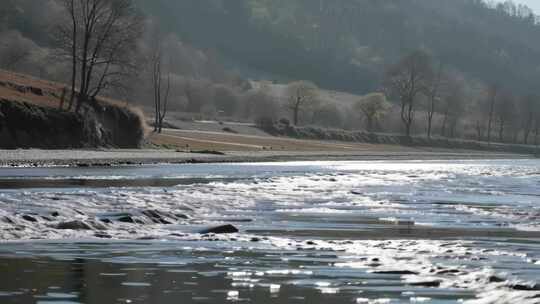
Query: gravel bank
x=135, y=157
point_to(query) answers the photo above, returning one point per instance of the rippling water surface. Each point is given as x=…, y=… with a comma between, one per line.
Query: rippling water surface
x=309, y=232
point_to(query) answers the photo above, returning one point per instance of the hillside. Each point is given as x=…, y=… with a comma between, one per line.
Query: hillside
x=345, y=45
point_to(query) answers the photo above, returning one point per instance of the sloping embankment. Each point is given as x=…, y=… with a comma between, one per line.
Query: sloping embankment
x=24, y=125
x=30, y=118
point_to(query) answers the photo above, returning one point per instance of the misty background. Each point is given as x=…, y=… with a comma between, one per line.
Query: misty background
x=247, y=60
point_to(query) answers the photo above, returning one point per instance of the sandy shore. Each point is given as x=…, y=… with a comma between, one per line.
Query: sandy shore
x=120, y=157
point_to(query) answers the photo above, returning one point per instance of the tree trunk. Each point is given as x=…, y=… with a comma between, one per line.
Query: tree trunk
x=536, y=132
x=296, y=114
x=453, y=126
x=62, y=99
x=501, y=131
x=73, y=58
x=491, y=111
x=479, y=134
x=408, y=129
x=369, y=123
x=527, y=130
x=407, y=112
x=430, y=122
x=445, y=121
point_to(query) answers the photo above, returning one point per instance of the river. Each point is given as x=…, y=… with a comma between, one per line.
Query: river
x=309, y=232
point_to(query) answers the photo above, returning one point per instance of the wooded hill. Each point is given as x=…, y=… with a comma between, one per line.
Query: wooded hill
x=346, y=44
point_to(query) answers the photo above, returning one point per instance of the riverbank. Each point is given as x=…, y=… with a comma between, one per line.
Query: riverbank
x=43, y=158
x=34, y=114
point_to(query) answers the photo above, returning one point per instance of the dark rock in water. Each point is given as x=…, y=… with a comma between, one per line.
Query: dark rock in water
x=374, y=265
x=146, y=238
x=156, y=217
x=46, y=218
x=8, y=220
x=177, y=234
x=397, y=272
x=522, y=287
x=152, y=214
x=106, y=220
x=224, y=229
x=255, y=239
x=426, y=284
x=102, y=235
x=55, y=214
x=29, y=218
x=79, y=212
x=181, y=216
x=126, y=219
x=74, y=225
x=448, y=271
x=494, y=279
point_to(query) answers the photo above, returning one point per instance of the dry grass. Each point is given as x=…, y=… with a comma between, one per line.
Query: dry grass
x=11, y=84
x=191, y=140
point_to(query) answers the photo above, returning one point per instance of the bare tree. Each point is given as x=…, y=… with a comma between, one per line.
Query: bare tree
x=406, y=80
x=98, y=36
x=528, y=108
x=452, y=105
x=505, y=111
x=300, y=95
x=433, y=96
x=160, y=101
x=373, y=106
x=493, y=91
x=536, y=131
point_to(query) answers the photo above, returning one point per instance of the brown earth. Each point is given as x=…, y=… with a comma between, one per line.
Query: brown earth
x=30, y=117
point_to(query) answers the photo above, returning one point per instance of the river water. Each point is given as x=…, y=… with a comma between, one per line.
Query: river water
x=309, y=232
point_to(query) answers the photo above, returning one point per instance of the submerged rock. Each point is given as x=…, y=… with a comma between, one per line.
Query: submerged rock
x=397, y=272
x=426, y=284
x=522, y=287
x=8, y=220
x=74, y=225
x=29, y=218
x=102, y=235
x=223, y=229
x=126, y=219
x=156, y=216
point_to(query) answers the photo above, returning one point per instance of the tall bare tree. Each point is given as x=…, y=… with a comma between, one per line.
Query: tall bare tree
x=536, y=131
x=433, y=95
x=452, y=105
x=300, y=95
x=161, y=99
x=505, y=111
x=98, y=36
x=493, y=92
x=528, y=108
x=406, y=80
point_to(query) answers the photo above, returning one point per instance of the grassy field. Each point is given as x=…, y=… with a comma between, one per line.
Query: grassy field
x=197, y=140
